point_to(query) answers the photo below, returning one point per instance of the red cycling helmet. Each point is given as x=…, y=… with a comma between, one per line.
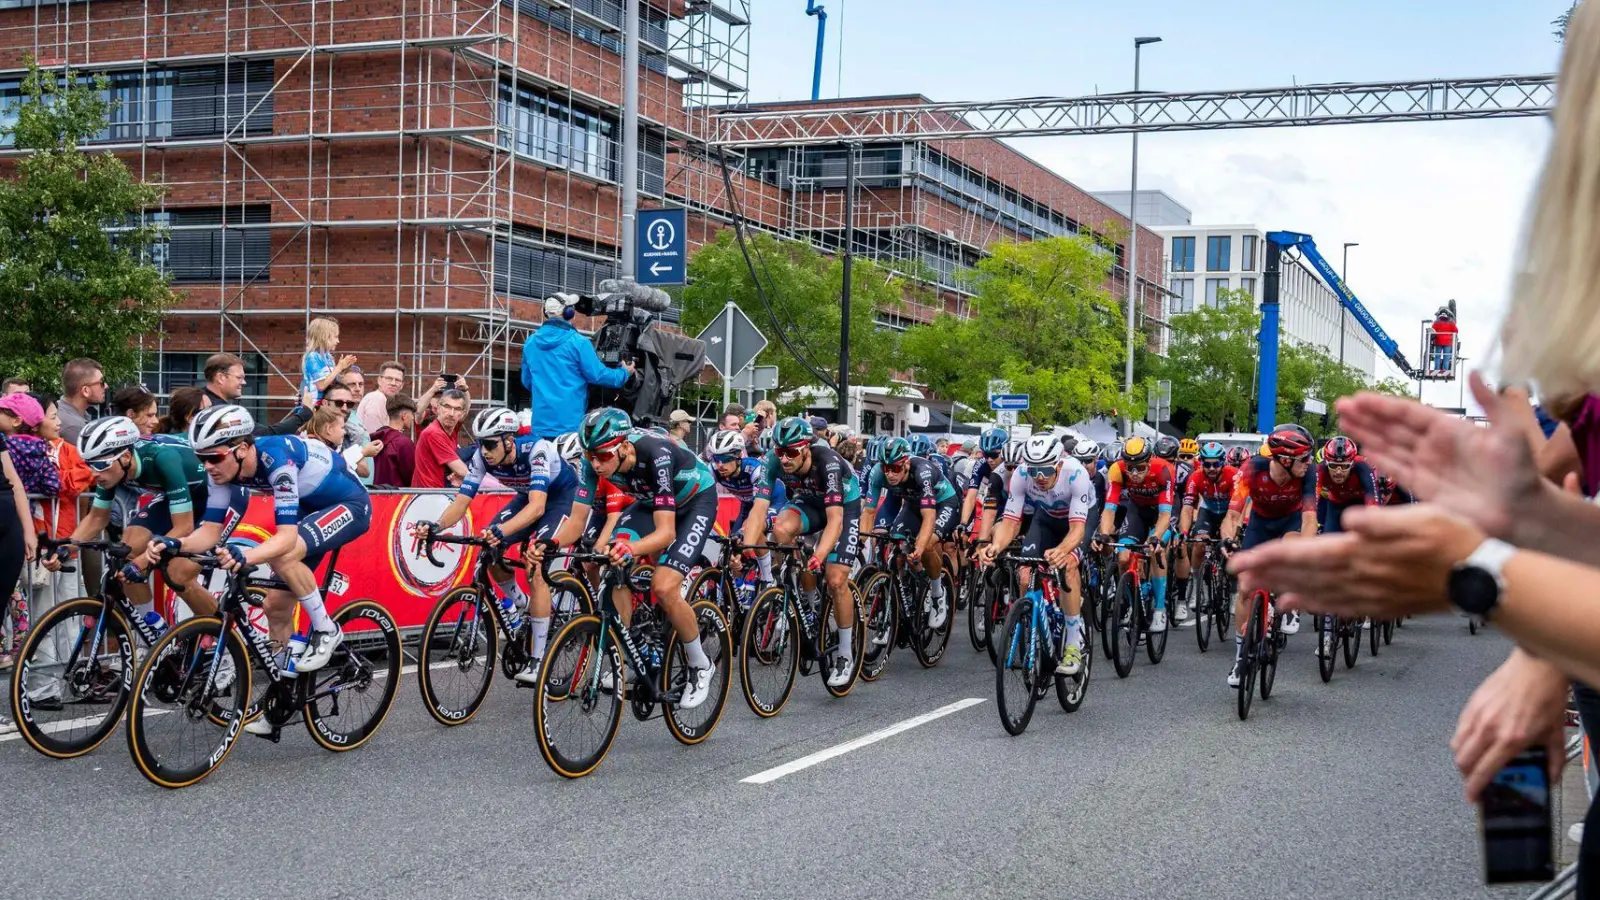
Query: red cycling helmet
x=1288, y=443
x=1339, y=450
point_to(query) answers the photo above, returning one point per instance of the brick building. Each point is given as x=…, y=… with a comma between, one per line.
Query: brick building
x=427, y=171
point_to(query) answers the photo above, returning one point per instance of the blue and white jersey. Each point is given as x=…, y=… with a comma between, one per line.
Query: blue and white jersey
x=302, y=476
x=741, y=485
x=1070, y=498
x=535, y=466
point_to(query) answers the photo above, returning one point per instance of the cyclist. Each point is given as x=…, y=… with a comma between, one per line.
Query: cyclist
x=1141, y=485
x=544, y=486
x=169, y=485
x=908, y=493
x=824, y=499
x=924, y=447
x=1205, y=503
x=1188, y=453
x=1343, y=480
x=1059, y=491
x=1281, y=493
x=1237, y=457
x=986, y=482
x=672, y=508
x=1390, y=493
x=318, y=506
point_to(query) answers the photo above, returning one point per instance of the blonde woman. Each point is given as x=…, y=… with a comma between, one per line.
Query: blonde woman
x=328, y=426
x=317, y=367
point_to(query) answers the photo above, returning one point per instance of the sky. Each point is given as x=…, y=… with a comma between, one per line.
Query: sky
x=1436, y=207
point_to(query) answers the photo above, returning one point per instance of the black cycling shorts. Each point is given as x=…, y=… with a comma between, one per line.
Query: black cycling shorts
x=1205, y=524
x=1047, y=533
x=695, y=518
x=814, y=518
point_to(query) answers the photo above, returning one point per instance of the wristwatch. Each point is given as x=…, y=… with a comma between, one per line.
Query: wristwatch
x=1476, y=582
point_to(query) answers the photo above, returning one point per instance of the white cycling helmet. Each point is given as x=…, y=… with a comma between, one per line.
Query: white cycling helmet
x=1041, y=450
x=107, y=437
x=1013, y=454
x=568, y=448
x=216, y=426
x=1086, y=452
x=495, y=422
x=726, y=443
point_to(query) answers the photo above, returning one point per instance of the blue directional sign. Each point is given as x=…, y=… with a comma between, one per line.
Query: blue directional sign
x=661, y=248
x=1009, y=401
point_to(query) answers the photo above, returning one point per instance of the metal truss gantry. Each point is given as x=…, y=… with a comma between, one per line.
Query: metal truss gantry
x=1508, y=96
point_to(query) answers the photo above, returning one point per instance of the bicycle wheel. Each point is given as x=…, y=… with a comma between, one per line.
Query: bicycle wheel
x=569, y=598
x=1203, y=618
x=1223, y=590
x=1388, y=631
x=1351, y=637
x=829, y=639
x=1374, y=636
x=1327, y=648
x=1269, y=654
x=82, y=653
x=691, y=726
x=1071, y=689
x=1155, y=642
x=1124, y=619
x=172, y=733
x=1249, y=660
x=928, y=643
x=977, y=611
x=769, y=653
x=1001, y=590
x=351, y=696
x=878, y=622
x=707, y=585
x=455, y=661
x=1015, y=687
x=576, y=713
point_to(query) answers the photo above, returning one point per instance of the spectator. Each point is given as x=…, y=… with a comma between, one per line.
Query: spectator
x=356, y=383
x=13, y=385
x=682, y=425
x=329, y=424
x=317, y=367
x=18, y=544
x=181, y=407
x=396, y=462
x=83, y=385
x=225, y=382
x=438, y=460
x=20, y=417
x=1444, y=341
x=732, y=419
x=137, y=404
x=558, y=365
x=337, y=400
x=374, y=407
x=60, y=519
x=767, y=414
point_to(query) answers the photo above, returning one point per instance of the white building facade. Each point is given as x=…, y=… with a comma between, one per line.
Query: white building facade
x=1203, y=261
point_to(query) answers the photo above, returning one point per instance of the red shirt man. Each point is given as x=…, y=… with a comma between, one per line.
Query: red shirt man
x=438, y=457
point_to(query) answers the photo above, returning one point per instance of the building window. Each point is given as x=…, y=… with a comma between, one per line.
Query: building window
x=1214, y=289
x=652, y=26
x=532, y=272
x=192, y=102
x=1183, y=295
x=207, y=244
x=1247, y=253
x=547, y=129
x=1218, y=250
x=1183, y=254
x=1248, y=285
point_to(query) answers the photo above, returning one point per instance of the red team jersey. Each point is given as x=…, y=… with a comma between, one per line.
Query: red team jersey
x=1269, y=499
x=1207, y=494
x=1154, y=489
x=1359, y=487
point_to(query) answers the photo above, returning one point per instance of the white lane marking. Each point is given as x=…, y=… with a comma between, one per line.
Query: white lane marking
x=806, y=762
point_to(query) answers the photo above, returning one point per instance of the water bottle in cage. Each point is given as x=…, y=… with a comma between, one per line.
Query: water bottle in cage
x=1058, y=622
x=745, y=589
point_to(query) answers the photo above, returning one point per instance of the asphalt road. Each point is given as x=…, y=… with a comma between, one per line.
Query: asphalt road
x=1153, y=789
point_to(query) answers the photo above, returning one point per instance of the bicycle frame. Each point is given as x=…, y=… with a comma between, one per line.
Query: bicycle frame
x=612, y=577
x=1045, y=583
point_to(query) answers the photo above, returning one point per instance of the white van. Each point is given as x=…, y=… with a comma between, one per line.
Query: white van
x=1250, y=441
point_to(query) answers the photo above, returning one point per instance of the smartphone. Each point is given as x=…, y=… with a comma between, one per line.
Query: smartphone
x=1515, y=814
x=449, y=378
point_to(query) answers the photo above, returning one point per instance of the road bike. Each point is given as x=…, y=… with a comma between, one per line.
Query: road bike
x=1213, y=604
x=1263, y=642
x=468, y=630
x=1334, y=632
x=894, y=605
x=790, y=630
x=732, y=593
x=188, y=709
x=1132, y=608
x=578, y=706
x=1031, y=642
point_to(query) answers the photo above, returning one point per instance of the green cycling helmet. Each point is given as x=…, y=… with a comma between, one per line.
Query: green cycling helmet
x=793, y=432
x=895, y=451
x=603, y=428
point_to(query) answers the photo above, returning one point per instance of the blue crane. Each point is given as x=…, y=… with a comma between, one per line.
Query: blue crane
x=1267, y=389
x=813, y=9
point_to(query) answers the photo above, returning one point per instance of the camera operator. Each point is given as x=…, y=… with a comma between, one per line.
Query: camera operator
x=558, y=365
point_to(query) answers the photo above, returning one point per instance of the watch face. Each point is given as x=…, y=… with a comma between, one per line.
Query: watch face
x=1474, y=590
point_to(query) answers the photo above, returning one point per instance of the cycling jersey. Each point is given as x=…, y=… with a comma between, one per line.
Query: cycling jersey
x=534, y=466
x=302, y=476
x=167, y=468
x=741, y=486
x=1269, y=499
x=829, y=480
x=1069, y=498
x=1358, y=487
x=923, y=482
x=990, y=483
x=1154, y=489
x=1210, y=495
x=942, y=463
x=1184, y=470
x=665, y=474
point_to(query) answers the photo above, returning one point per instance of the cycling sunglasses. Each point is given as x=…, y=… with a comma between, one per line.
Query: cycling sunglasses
x=1210, y=465
x=1340, y=467
x=101, y=465
x=1186, y=457
x=1039, y=471
x=992, y=454
x=212, y=457
x=726, y=458
x=1287, y=461
x=604, y=454
x=791, y=452
x=896, y=467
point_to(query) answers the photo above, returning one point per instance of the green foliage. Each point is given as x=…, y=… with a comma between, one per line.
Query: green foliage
x=1044, y=321
x=804, y=287
x=1211, y=362
x=1562, y=21
x=73, y=288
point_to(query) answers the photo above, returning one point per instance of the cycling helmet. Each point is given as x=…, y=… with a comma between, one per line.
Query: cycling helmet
x=216, y=426
x=1111, y=452
x=496, y=421
x=726, y=443
x=1086, y=452
x=107, y=437
x=921, y=444
x=1042, y=450
x=1136, y=450
x=1212, y=452
x=604, y=427
x=873, y=447
x=793, y=432
x=1188, y=447
x=1339, y=450
x=1287, y=442
x=1167, y=447
x=1068, y=444
x=895, y=451
x=993, y=440
x=1237, y=457
x=568, y=448
x=764, y=441
x=1013, y=453
x=1297, y=429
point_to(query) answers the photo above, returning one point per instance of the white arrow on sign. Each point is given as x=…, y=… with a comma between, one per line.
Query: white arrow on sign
x=658, y=268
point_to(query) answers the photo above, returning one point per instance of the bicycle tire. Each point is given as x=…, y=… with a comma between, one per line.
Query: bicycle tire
x=1155, y=642
x=707, y=585
x=1248, y=661
x=570, y=682
x=691, y=726
x=828, y=634
x=1204, y=619
x=46, y=737
x=1269, y=654
x=1374, y=636
x=1018, y=640
x=761, y=627
x=365, y=667
x=977, y=610
x=1124, y=640
x=878, y=619
x=929, y=644
x=1001, y=594
x=181, y=640
x=1327, y=648
x=1388, y=632
x=1072, y=689
x=440, y=651
x=1351, y=638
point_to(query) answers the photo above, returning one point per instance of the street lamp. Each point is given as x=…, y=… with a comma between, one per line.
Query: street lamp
x=1344, y=269
x=1133, y=236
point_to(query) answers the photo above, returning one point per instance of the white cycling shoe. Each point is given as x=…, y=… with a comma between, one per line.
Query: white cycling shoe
x=1291, y=623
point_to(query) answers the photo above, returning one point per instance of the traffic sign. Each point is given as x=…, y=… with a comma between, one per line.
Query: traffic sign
x=661, y=245
x=1006, y=418
x=1316, y=407
x=756, y=378
x=1009, y=401
x=732, y=341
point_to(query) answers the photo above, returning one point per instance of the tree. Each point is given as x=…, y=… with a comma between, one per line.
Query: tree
x=1044, y=320
x=804, y=286
x=74, y=240
x=1562, y=21
x=1211, y=362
